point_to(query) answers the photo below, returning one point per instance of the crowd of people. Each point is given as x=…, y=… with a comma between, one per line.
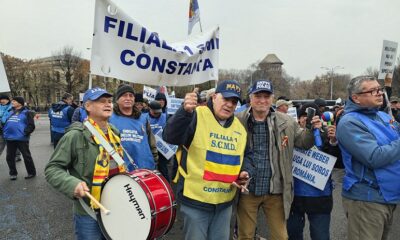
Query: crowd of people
x=231, y=160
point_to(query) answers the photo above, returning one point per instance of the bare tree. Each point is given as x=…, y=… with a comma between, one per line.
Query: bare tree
x=16, y=70
x=372, y=72
x=68, y=61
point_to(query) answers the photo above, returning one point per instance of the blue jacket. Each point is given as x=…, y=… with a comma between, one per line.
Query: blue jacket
x=19, y=125
x=364, y=155
x=79, y=115
x=5, y=111
x=134, y=139
x=157, y=124
x=60, y=115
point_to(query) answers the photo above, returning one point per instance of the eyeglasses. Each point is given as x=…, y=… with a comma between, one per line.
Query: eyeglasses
x=373, y=92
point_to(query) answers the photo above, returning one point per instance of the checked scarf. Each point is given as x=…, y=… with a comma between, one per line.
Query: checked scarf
x=102, y=165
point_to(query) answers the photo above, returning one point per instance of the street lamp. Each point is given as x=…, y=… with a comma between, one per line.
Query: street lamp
x=331, y=70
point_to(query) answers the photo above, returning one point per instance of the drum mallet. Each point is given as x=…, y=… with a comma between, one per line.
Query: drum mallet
x=105, y=210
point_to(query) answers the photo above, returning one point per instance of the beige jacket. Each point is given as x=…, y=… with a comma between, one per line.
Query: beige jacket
x=281, y=125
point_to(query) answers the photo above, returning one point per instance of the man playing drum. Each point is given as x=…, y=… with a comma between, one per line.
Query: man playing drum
x=80, y=164
x=214, y=143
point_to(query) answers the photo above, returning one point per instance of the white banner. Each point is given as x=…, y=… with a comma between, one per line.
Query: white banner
x=149, y=93
x=4, y=86
x=173, y=105
x=312, y=166
x=124, y=49
x=166, y=149
x=388, y=59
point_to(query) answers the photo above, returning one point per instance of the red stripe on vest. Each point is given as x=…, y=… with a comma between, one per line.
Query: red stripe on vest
x=211, y=176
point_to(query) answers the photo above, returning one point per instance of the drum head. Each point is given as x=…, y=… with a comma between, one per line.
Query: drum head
x=130, y=214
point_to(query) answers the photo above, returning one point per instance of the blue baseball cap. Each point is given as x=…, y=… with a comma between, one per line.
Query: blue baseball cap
x=261, y=86
x=229, y=88
x=95, y=93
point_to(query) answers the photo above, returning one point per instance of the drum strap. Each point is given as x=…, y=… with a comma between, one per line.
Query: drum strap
x=87, y=209
x=108, y=147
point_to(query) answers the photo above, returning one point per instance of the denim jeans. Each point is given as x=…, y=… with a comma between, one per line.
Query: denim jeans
x=86, y=228
x=206, y=225
x=319, y=225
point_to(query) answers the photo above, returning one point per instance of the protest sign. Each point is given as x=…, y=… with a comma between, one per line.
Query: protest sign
x=312, y=166
x=173, y=105
x=388, y=59
x=149, y=93
x=81, y=96
x=124, y=49
x=4, y=86
x=166, y=149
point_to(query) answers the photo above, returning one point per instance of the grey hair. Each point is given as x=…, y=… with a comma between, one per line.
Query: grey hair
x=354, y=85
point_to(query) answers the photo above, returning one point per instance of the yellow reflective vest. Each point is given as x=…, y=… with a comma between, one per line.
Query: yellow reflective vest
x=214, y=159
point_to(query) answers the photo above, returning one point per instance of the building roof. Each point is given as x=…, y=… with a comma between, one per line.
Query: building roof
x=271, y=59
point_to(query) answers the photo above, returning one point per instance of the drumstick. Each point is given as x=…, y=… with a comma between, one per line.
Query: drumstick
x=105, y=210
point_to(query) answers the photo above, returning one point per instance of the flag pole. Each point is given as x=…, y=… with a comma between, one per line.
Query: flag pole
x=201, y=29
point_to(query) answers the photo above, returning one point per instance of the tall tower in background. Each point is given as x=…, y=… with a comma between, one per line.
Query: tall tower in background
x=272, y=66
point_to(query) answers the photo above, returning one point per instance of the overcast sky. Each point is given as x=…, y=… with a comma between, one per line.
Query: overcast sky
x=304, y=34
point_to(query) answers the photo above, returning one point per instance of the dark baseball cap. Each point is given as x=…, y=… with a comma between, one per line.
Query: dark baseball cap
x=262, y=85
x=95, y=93
x=155, y=106
x=229, y=89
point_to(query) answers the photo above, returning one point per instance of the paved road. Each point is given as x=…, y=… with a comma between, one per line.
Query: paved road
x=30, y=209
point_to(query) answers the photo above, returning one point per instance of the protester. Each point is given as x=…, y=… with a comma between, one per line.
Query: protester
x=210, y=159
x=5, y=107
x=79, y=115
x=271, y=138
x=158, y=120
x=321, y=103
x=18, y=127
x=136, y=135
x=395, y=105
x=75, y=166
x=283, y=105
x=162, y=99
x=60, y=115
x=5, y=111
x=139, y=102
x=308, y=200
x=370, y=145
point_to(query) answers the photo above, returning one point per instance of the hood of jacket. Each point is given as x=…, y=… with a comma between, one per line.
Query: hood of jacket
x=59, y=106
x=354, y=107
x=162, y=96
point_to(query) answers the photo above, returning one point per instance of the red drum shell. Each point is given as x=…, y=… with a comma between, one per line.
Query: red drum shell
x=143, y=196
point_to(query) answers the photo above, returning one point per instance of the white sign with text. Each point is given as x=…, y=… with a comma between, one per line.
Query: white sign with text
x=312, y=166
x=388, y=59
x=149, y=93
x=166, y=149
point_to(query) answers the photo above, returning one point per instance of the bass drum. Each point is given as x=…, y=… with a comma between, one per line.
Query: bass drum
x=141, y=204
